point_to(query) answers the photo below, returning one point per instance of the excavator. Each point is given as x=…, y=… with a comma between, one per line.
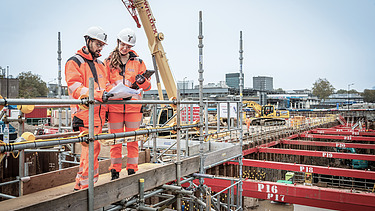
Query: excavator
x=267, y=115
x=141, y=9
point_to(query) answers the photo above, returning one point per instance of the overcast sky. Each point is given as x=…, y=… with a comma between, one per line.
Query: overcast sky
x=294, y=41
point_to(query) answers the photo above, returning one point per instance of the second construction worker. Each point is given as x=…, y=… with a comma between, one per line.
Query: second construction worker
x=124, y=66
x=78, y=69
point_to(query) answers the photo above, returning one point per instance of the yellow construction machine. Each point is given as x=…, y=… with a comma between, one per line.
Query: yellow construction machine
x=266, y=115
x=142, y=9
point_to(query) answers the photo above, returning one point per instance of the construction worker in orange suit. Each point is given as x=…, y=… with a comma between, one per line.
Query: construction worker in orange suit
x=124, y=66
x=78, y=69
x=248, y=121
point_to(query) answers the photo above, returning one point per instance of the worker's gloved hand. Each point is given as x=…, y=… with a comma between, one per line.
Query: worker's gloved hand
x=140, y=79
x=106, y=95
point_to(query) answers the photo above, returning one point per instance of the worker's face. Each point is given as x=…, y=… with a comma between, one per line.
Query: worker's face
x=124, y=48
x=96, y=47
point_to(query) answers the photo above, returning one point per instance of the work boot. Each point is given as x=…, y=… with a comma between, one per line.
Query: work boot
x=131, y=171
x=114, y=174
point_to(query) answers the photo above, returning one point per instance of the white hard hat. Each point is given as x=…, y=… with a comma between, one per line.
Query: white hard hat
x=97, y=33
x=127, y=36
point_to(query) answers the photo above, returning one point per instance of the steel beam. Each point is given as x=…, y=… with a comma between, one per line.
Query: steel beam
x=340, y=132
x=328, y=144
x=309, y=168
x=329, y=198
x=317, y=153
x=255, y=149
x=349, y=138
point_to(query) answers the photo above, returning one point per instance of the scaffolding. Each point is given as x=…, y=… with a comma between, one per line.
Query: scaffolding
x=182, y=190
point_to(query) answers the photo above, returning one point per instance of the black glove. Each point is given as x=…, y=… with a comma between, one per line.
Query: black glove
x=106, y=95
x=140, y=79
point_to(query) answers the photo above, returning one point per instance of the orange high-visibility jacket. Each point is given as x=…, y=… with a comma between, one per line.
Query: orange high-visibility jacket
x=77, y=74
x=133, y=67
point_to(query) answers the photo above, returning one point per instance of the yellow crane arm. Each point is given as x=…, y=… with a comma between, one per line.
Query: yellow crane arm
x=257, y=108
x=154, y=43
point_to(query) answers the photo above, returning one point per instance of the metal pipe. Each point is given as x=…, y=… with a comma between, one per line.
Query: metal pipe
x=165, y=202
x=161, y=154
x=91, y=146
x=41, y=150
x=218, y=117
x=154, y=134
x=227, y=188
x=9, y=182
x=7, y=196
x=21, y=158
x=201, y=138
x=144, y=208
x=13, y=147
x=239, y=195
x=220, y=162
x=178, y=163
x=141, y=192
x=206, y=123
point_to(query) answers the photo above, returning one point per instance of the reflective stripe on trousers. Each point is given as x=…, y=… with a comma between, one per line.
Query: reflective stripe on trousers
x=116, y=124
x=83, y=174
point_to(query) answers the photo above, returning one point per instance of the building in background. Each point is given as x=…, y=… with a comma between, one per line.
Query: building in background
x=233, y=80
x=53, y=91
x=9, y=87
x=263, y=83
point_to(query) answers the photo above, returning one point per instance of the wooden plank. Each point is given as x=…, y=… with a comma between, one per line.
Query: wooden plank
x=106, y=191
x=56, y=178
x=222, y=155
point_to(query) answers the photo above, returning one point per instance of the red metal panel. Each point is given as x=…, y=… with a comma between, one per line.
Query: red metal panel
x=37, y=113
x=309, y=168
x=318, y=153
x=255, y=149
x=337, y=199
x=328, y=144
x=349, y=138
x=345, y=129
x=338, y=132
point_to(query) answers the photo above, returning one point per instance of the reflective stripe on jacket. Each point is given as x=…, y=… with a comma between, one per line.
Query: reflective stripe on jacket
x=77, y=74
x=133, y=67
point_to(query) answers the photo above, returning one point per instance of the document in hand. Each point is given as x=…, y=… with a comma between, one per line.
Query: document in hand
x=122, y=91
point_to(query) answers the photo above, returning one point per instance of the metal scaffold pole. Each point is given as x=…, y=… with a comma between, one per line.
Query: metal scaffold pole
x=201, y=105
x=59, y=92
x=178, y=163
x=240, y=120
x=21, y=161
x=91, y=145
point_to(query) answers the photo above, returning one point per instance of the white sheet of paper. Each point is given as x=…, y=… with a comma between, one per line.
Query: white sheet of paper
x=122, y=91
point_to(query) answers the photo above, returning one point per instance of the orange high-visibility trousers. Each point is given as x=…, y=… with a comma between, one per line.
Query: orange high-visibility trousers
x=116, y=124
x=82, y=178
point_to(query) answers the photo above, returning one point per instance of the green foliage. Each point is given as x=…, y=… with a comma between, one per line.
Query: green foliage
x=279, y=90
x=322, y=88
x=353, y=91
x=369, y=95
x=342, y=91
x=31, y=85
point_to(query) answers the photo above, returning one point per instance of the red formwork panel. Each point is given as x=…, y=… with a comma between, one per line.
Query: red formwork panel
x=37, y=113
x=308, y=168
x=329, y=198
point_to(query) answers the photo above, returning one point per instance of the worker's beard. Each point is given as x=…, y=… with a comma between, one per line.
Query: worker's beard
x=94, y=54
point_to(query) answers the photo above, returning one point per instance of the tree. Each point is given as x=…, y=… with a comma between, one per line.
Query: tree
x=31, y=85
x=342, y=91
x=322, y=88
x=353, y=91
x=369, y=95
x=279, y=90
